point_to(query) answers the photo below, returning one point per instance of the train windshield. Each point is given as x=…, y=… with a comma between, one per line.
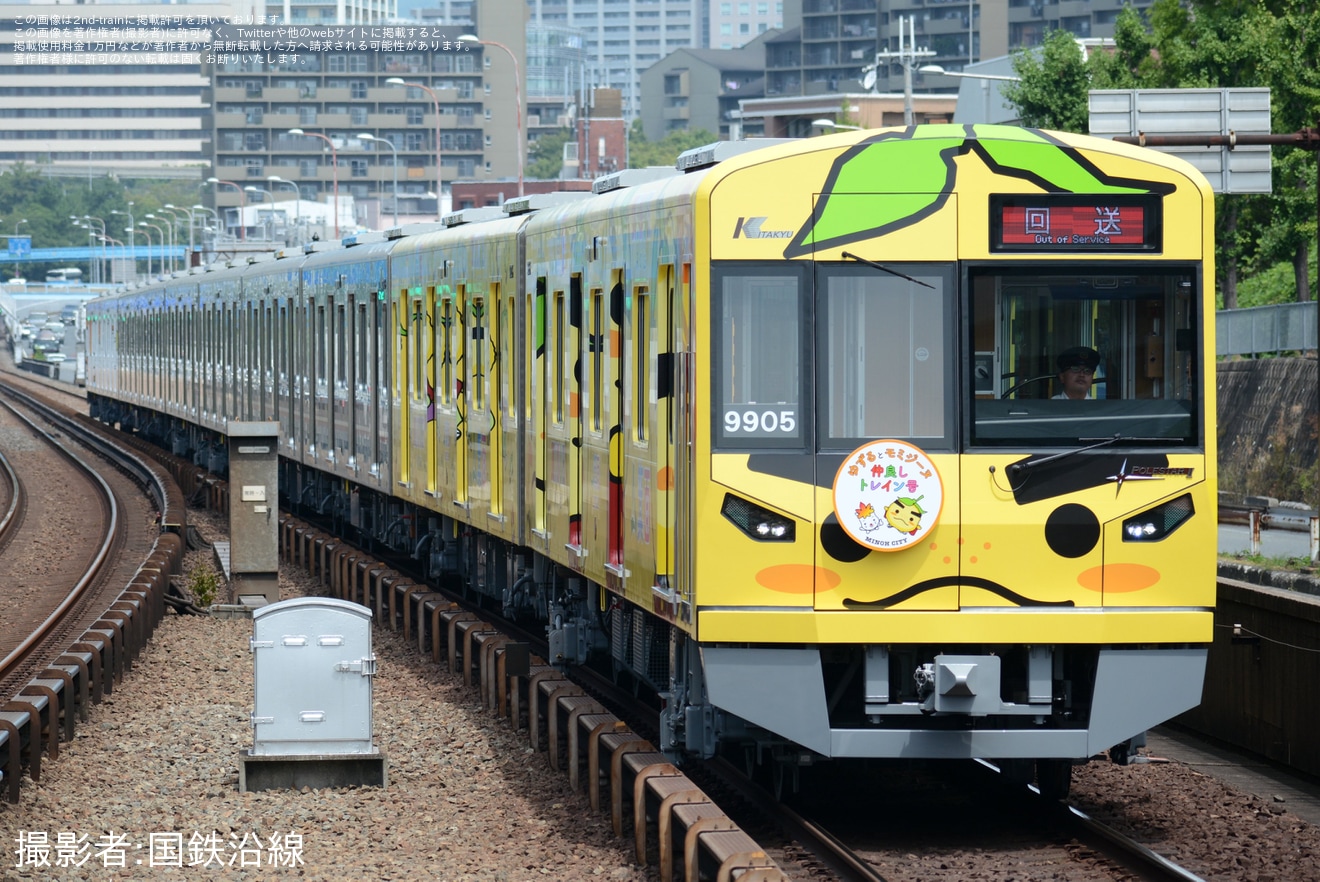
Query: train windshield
x=1070, y=357
x=885, y=343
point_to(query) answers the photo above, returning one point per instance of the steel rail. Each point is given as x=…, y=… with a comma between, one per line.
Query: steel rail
x=16, y=500
x=21, y=652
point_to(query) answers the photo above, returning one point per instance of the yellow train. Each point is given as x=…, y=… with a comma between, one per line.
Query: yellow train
x=893, y=443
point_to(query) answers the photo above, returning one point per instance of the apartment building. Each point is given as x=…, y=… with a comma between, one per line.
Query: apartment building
x=444, y=110
x=99, y=88
x=622, y=38
x=735, y=23
x=839, y=41
x=695, y=89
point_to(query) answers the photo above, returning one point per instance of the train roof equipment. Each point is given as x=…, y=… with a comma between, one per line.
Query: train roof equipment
x=713, y=154
x=632, y=177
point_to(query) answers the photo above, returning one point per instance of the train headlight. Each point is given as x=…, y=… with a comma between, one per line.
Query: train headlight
x=1156, y=523
x=759, y=523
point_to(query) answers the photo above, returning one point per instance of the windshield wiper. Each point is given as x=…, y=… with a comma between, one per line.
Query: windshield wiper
x=1019, y=468
x=884, y=269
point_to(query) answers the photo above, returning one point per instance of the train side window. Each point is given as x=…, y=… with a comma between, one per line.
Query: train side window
x=641, y=362
x=341, y=343
x=446, y=351
x=510, y=353
x=282, y=346
x=596, y=344
x=361, y=347
x=558, y=354
x=417, y=331
x=477, y=313
x=318, y=344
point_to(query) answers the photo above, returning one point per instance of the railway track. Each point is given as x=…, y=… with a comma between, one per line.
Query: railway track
x=49, y=576
x=87, y=569
x=804, y=847
x=637, y=785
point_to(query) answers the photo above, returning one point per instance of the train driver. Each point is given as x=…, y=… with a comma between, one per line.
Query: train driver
x=1076, y=372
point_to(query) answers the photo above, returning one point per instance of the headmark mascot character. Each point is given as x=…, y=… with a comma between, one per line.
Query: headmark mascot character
x=904, y=514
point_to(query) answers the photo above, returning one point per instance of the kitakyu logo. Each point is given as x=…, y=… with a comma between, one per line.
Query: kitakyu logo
x=750, y=228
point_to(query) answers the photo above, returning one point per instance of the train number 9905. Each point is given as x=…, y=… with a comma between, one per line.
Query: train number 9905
x=760, y=422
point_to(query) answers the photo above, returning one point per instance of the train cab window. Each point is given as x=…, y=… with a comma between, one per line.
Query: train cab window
x=759, y=310
x=1137, y=332
x=883, y=363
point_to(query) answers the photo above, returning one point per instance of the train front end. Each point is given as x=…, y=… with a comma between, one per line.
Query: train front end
x=953, y=492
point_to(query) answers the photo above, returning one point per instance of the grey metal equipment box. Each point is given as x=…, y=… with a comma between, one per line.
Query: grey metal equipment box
x=312, y=669
x=254, y=511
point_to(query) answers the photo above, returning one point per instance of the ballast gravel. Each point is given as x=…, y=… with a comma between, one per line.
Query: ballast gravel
x=148, y=787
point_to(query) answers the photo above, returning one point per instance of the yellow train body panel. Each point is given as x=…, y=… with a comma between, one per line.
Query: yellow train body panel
x=987, y=561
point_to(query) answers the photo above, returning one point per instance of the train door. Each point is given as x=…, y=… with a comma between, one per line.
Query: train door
x=267, y=361
x=639, y=461
x=207, y=360
x=342, y=411
x=885, y=341
x=299, y=389
x=189, y=356
x=618, y=344
x=351, y=344
x=321, y=380
x=404, y=382
x=283, y=370
x=577, y=412
x=441, y=437
x=363, y=390
x=252, y=368
x=595, y=465
x=478, y=419
x=462, y=391
x=663, y=430
x=536, y=401
x=229, y=346
x=379, y=371
x=495, y=402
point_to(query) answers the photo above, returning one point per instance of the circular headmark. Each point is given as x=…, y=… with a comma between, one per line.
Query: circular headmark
x=888, y=495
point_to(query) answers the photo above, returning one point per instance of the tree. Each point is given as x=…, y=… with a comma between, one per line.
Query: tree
x=643, y=153
x=547, y=155
x=1128, y=65
x=1205, y=44
x=1051, y=90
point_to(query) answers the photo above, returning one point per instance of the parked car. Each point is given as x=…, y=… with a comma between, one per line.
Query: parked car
x=45, y=347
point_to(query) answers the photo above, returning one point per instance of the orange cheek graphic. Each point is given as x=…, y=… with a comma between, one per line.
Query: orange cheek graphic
x=1119, y=578
x=797, y=578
